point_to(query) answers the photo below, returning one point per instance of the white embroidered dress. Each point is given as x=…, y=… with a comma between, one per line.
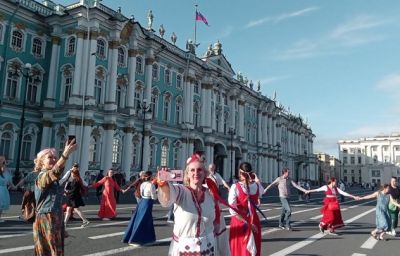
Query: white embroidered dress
x=195, y=229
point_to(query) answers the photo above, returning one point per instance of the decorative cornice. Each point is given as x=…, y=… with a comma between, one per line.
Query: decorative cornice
x=80, y=34
x=109, y=126
x=150, y=61
x=88, y=122
x=20, y=26
x=147, y=133
x=133, y=52
x=113, y=44
x=94, y=35
x=128, y=130
x=207, y=86
x=56, y=40
x=47, y=123
x=241, y=102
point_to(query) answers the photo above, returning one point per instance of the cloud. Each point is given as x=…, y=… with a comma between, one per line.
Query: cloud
x=273, y=79
x=360, y=30
x=372, y=130
x=390, y=83
x=281, y=17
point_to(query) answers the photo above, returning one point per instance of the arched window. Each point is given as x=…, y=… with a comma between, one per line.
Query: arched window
x=138, y=94
x=13, y=81
x=167, y=76
x=176, y=154
x=17, y=40
x=32, y=90
x=166, y=107
x=135, y=151
x=118, y=96
x=116, y=151
x=93, y=149
x=101, y=49
x=152, y=156
x=5, y=144
x=121, y=57
x=67, y=79
x=179, y=81
x=196, y=114
x=37, y=47
x=70, y=46
x=99, y=83
x=139, y=65
x=26, y=147
x=154, y=103
x=196, y=87
x=178, y=110
x=155, y=71
x=164, y=153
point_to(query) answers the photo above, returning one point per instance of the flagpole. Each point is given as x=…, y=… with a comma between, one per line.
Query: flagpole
x=195, y=24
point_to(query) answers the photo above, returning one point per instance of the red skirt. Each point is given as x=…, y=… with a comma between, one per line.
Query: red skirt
x=331, y=219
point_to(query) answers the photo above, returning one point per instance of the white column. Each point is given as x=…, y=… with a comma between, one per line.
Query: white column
x=183, y=155
x=187, y=101
x=270, y=130
x=260, y=170
x=92, y=66
x=146, y=152
x=46, y=134
x=51, y=84
x=232, y=101
x=84, y=155
x=204, y=106
x=85, y=67
x=209, y=156
x=259, y=128
x=127, y=153
x=106, y=162
x=191, y=100
x=131, y=78
x=78, y=64
x=241, y=119
x=226, y=172
x=148, y=75
x=112, y=78
x=264, y=129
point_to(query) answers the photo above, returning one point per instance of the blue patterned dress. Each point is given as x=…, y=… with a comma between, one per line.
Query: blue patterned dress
x=382, y=212
x=5, y=180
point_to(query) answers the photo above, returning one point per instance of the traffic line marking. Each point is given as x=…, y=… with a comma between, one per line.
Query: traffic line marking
x=16, y=249
x=358, y=254
x=106, y=235
x=369, y=244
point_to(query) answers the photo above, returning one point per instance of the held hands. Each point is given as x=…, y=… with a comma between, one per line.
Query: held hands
x=357, y=198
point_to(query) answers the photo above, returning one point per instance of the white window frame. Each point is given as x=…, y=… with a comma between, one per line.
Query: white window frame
x=123, y=58
x=42, y=47
x=69, y=53
x=155, y=72
x=179, y=85
x=139, y=68
x=16, y=48
x=101, y=54
x=167, y=78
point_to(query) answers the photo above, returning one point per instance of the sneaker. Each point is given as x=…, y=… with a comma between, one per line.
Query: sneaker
x=106, y=219
x=332, y=233
x=85, y=223
x=281, y=226
x=321, y=229
x=288, y=228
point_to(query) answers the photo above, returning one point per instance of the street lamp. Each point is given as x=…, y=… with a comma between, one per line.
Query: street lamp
x=26, y=72
x=231, y=132
x=144, y=108
x=278, y=153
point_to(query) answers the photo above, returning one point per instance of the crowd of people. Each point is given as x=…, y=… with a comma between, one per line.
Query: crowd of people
x=196, y=201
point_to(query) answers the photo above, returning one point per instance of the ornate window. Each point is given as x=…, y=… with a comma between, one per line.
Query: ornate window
x=178, y=110
x=167, y=76
x=99, y=84
x=196, y=87
x=196, y=114
x=138, y=94
x=139, y=65
x=116, y=151
x=5, y=144
x=121, y=57
x=12, y=85
x=135, y=150
x=164, y=153
x=93, y=149
x=154, y=103
x=153, y=152
x=26, y=147
x=67, y=79
x=101, y=49
x=32, y=93
x=176, y=154
x=37, y=47
x=118, y=96
x=179, y=81
x=70, y=47
x=166, y=107
x=17, y=40
x=154, y=72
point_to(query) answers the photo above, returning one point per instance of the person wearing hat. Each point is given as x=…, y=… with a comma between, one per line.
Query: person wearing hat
x=331, y=215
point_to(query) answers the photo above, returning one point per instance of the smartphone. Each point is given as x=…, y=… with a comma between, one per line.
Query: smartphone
x=70, y=138
x=171, y=175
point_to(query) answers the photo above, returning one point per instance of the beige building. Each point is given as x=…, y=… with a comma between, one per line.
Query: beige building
x=370, y=160
x=328, y=166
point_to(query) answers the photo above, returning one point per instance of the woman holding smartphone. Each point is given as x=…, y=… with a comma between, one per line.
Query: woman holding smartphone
x=201, y=227
x=140, y=229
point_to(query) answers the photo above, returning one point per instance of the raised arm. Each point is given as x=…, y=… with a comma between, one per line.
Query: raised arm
x=347, y=194
x=274, y=183
x=298, y=187
x=323, y=188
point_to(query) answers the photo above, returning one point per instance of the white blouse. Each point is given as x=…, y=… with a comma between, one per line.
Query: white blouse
x=148, y=190
x=234, y=193
x=325, y=188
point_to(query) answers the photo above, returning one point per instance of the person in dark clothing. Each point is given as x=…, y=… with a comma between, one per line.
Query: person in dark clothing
x=118, y=177
x=394, y=191
x=99, y=189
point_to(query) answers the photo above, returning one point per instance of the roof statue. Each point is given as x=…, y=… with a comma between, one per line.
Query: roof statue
x=190, y=46
x=258, y=86
x=173, y=38
x=251, y=84
x=161, y=30
x=217, y=48
x=150, y=18
x=209, y=51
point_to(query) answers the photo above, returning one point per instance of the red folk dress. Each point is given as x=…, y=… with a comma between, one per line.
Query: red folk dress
x=331, y=219
x=108, y=205
x=239, y=231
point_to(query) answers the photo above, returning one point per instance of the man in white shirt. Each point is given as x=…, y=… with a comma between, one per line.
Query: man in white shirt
x=216, y=177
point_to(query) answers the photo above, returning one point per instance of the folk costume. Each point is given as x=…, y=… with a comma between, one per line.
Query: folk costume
x=140, y=229
x=243, y=240
x=108, y=204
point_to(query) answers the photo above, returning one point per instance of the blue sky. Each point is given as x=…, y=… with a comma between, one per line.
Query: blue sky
x=337, y=63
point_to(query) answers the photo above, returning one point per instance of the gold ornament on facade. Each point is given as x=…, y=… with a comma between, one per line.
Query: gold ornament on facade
x=56, y=40
x=126, y=31
x=20, y=26
x=100, y=73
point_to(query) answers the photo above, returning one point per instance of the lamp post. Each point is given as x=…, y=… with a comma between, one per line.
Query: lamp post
x=144, y=108
x=278, y=153
x=231, y=132
x=26, y=72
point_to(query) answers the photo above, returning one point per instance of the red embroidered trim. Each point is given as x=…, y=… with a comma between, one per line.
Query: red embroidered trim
x=198, y=208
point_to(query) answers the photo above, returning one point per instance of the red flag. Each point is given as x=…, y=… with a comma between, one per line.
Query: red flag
x=200, y=16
